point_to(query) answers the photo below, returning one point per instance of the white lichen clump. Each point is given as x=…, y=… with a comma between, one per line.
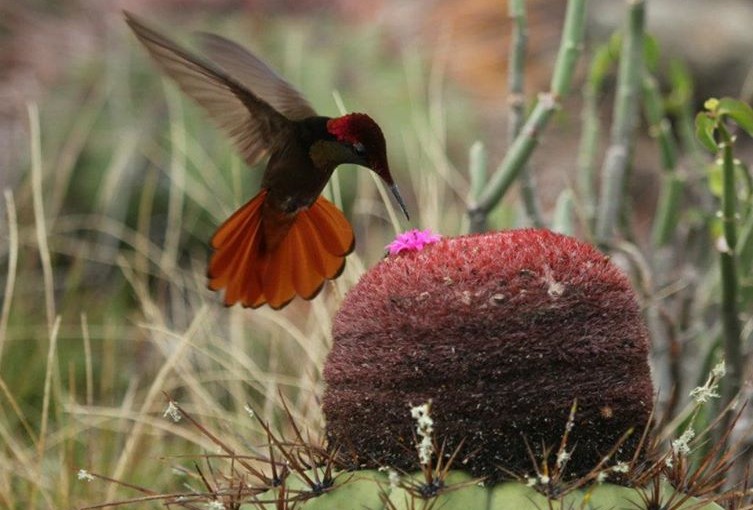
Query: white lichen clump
x=562, y=457
x=84, y=475
x=700, y=395
x=172, y=412
x=393, y=477
x=703, y=394
x=681, y=445
x=424, y=430
x=621, y=467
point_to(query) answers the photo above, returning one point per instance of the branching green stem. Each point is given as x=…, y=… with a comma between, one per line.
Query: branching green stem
x=728, y=267
x=516, y=69
x=477, y=163
x=514, y=160
x=668, y=208
x=522, y=147
x=587, y=152
x=570, y=48
x=516, y=99
x=601, y=64
x=616, y=162
x=562, y=220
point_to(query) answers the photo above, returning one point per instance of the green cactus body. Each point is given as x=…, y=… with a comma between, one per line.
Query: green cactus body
x=371, y=490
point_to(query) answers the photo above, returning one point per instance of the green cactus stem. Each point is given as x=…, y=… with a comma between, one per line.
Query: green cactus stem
x=373, y=490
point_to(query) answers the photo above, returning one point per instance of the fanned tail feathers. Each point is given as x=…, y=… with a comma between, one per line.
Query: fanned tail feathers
x=253, y=273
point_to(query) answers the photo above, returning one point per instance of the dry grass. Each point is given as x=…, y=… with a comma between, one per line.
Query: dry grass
x=105, y=309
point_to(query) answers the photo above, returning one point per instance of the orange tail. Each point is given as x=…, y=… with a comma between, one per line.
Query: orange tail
x=254, y=271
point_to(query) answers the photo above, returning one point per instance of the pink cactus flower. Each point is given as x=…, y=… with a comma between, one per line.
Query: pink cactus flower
x=412, y=240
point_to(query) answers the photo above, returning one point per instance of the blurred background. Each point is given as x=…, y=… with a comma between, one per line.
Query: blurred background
x=113, y=183
x=50, y=47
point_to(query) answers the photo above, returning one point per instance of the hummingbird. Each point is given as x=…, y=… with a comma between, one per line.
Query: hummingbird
x=287, y=240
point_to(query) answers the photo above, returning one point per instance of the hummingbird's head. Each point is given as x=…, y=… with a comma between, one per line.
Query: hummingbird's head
x=365, y=142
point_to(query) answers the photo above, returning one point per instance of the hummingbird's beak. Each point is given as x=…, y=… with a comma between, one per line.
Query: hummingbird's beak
x=393, y=188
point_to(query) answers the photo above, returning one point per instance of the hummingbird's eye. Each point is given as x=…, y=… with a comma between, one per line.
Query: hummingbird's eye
x=359, y=149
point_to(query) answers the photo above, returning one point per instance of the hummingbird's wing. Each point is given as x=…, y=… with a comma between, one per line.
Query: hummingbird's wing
x=256, y=76
x=251, y=122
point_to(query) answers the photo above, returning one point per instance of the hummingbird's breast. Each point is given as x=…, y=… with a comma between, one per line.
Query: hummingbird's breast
x=297, y=172
x=293, y=180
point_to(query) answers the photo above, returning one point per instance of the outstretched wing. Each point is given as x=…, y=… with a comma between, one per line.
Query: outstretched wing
x=251, y=122
x=257, y=76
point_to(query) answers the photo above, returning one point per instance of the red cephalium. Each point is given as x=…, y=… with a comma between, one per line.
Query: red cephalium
x=501, y=331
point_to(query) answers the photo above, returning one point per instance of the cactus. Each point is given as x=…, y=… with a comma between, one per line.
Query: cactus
x=372, y=490
x=502, y=332
x=508, y=368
